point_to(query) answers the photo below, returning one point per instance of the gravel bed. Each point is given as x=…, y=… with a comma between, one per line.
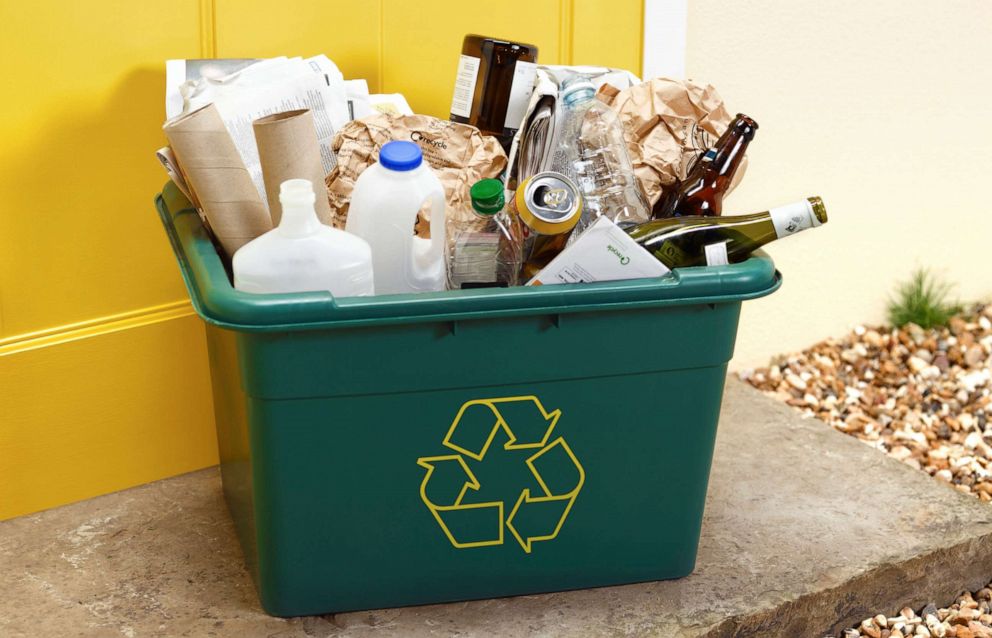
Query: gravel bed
x=921, y=396
x=968, y=617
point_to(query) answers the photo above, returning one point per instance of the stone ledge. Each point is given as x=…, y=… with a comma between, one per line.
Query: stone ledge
x=806, y=531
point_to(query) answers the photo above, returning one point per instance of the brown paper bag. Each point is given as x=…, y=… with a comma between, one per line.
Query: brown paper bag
x=217, y=175
x=458, y=153
x=288, y=149
x=667, y=125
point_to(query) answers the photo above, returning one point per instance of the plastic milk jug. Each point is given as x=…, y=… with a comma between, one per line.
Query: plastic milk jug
x=384, y=206
x=301, y=254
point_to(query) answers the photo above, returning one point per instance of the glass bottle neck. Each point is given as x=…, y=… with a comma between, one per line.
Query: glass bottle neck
x=732, y=145
x=730, y=153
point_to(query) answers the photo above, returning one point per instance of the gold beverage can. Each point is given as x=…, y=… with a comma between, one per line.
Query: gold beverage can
x=548, y=203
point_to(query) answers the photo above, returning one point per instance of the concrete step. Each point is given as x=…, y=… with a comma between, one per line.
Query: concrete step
x=806, y=531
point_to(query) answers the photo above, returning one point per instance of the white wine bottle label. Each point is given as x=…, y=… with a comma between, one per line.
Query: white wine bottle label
x=792, y=218
x=468, y=73
x=716, y=254
x=520, y=92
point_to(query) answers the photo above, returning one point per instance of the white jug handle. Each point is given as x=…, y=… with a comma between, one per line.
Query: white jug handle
x=437, y=224
x=415, y=277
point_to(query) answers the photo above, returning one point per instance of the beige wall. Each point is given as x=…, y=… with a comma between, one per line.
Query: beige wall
x=883, y=109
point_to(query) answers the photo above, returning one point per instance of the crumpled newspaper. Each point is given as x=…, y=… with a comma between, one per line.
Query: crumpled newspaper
x=459, y=154
x=668, y=124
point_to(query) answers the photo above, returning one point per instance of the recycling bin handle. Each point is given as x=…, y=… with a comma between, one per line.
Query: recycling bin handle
x=206, y=278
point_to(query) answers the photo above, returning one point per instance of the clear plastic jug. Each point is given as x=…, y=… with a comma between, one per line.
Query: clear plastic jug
x=384, y=206
x=301, y=254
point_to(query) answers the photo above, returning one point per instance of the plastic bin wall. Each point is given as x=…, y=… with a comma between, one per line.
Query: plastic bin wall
x=449, y=446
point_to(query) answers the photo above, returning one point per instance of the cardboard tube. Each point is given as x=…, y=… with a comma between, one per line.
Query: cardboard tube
x=288, y=149
x=218, y=177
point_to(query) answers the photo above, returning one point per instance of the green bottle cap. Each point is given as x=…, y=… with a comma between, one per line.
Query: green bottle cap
x=487, y=196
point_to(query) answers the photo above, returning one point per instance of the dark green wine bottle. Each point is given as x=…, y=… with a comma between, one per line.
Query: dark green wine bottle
x=696, y=240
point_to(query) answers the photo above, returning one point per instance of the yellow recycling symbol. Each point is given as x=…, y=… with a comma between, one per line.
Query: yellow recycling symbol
x=533, y=517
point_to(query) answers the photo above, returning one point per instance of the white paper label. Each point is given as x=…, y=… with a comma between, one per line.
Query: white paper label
x=468, y=73
x=716, y=254
x=792, y=218
x=520, y=92
x=603, y=252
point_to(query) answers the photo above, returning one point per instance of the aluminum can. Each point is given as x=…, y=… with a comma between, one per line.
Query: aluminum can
x=548, y=203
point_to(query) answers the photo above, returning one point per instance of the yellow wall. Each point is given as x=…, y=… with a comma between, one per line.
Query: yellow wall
x=103, y=371
x=880, y=107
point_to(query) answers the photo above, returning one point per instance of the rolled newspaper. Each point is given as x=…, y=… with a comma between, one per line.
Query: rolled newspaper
x=217, y=175
x=288, y=149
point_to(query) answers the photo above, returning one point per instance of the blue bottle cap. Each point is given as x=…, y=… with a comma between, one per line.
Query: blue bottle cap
x=400, y=156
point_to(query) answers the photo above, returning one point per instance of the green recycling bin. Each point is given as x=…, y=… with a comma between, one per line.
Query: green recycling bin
x=408, y=449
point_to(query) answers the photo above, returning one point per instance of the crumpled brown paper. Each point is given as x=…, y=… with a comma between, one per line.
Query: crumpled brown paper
x=667, y=125
x=459, y=154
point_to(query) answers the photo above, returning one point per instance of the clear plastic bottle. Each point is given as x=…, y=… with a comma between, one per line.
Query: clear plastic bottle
x=301, y=254
x=485, y=252
x=596, y=156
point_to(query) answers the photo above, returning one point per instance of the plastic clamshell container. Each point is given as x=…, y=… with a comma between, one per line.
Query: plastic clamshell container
x=408, y=449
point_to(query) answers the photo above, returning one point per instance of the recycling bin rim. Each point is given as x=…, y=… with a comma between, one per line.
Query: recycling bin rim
x=217, y=302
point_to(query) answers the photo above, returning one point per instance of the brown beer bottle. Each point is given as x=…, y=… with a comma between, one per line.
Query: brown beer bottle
x=701, y=192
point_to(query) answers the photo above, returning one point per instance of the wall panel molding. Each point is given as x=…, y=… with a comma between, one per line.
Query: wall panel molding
x=605, y=33
x=126, y=404
x=566, y=31
x=95, y=327
x=208, y=29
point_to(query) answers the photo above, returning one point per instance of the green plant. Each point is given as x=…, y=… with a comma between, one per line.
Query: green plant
x=922, y=300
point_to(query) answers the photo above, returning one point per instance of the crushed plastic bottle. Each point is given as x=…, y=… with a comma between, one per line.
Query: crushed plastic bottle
x=596, y=158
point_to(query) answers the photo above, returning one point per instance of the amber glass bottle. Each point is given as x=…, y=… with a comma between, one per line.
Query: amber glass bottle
x=493, y=85
x=702, y=191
